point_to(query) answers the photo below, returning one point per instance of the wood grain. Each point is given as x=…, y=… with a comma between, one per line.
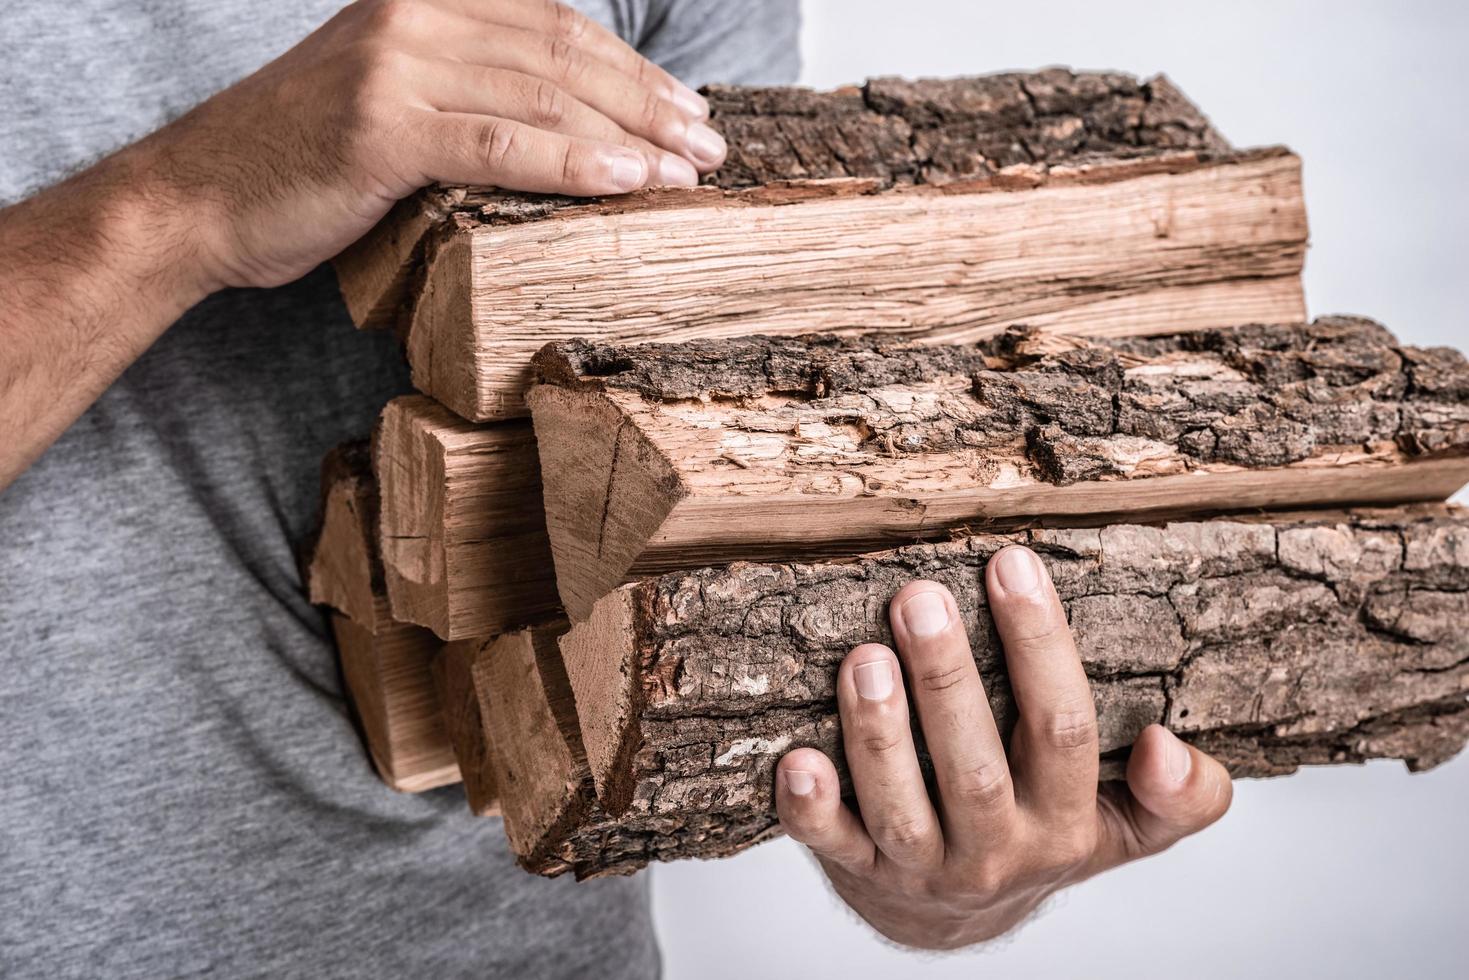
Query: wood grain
x=942, y=209
x=658, y=457
x=1271, y=642
x=385, y=663
x=464, y=543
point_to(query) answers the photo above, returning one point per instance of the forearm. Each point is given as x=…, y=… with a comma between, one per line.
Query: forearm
x=92, y=272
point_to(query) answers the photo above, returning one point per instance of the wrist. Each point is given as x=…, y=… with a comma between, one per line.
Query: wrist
x=166, y=222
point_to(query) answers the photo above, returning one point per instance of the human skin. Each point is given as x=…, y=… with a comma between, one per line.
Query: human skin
x=1000, y=832
x=264, y=181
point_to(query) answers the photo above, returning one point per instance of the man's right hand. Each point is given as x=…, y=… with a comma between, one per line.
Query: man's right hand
x=292, y=164
x=278, y=173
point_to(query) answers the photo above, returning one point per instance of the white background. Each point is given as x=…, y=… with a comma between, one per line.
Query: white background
x=1349, y=872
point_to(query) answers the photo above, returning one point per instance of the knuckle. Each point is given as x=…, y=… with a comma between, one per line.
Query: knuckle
x=901, y=833
x=939, y=678
x=573, y=167
x=880, y=744
x=643, y=72
x=495, y=143
x=984, y=880
x=393, y=16
x=982, y=786
x=1041, y=635
x=650, y=112
x=548, y=105
x=566, y=62
x=1070, y=726
x=377, y=66
x=570, y=25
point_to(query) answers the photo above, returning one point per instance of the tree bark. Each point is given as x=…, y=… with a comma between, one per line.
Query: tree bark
x=464, y=543
x=924, y=208
x=1273, y=642
x=385, y=663
x=552, y=817
x=658, y=457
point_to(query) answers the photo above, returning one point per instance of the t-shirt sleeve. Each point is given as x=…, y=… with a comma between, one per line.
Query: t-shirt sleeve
x=745, y=42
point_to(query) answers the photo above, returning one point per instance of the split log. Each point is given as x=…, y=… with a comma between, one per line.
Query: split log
x=376, y=271
x=463, y=534
x=658, y=457
x=552, y=818
x=932, y=209
x=1274, y=642
x=385, y=663
x=464, y=720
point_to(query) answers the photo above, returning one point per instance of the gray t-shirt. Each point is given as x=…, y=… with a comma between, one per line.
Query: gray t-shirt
x=183, y=791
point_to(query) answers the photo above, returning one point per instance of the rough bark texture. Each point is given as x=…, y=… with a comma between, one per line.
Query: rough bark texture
x=892, y=131
x=385, y=663
x=1253, y=396
x=666, y=456
x=552, y=817
x=1273, y=643
x=936, y=131
x=901, y=222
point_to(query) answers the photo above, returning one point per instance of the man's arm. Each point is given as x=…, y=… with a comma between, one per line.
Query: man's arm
x=274, y=175
x=999, y=835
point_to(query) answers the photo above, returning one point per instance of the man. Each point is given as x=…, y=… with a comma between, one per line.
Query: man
x=183, y=789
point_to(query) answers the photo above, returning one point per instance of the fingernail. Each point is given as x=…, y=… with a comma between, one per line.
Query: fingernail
x=926, y=614
x=690, y=101
x=1018, y=571
x=874, y=680
x=705, y=143
x=676, y=171
x=798, y=781
x=626, y=171
x=1177, y=759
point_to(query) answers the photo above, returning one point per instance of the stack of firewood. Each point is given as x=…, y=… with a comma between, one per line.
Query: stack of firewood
x=675, y=451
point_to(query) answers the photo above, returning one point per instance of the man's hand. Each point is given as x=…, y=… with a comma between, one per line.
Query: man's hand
x=974, y=859
x=294, y=163
x=280, y=172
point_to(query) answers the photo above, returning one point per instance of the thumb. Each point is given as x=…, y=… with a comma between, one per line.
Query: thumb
x=1173, y=790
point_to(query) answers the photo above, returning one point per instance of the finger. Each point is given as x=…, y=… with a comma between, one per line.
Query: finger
x=454, y=87
x=559, y=21
x=878, y=741
x=1053, y=750
x=457, y=148
x=1173, y=790
x=976, y=796
x=809, y=803
x=639, y=110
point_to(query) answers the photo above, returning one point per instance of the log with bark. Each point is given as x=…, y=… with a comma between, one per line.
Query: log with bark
x=1272, y=642
x=385, y=663
x=656, y=457
x=531, y=740
x=942, y=210
x=464, y=544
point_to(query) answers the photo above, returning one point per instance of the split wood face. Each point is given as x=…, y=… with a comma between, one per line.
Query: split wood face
x=658, y=457
x=385, y=663
x=463, y=532
x=1271, y=643
x=929, y=209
